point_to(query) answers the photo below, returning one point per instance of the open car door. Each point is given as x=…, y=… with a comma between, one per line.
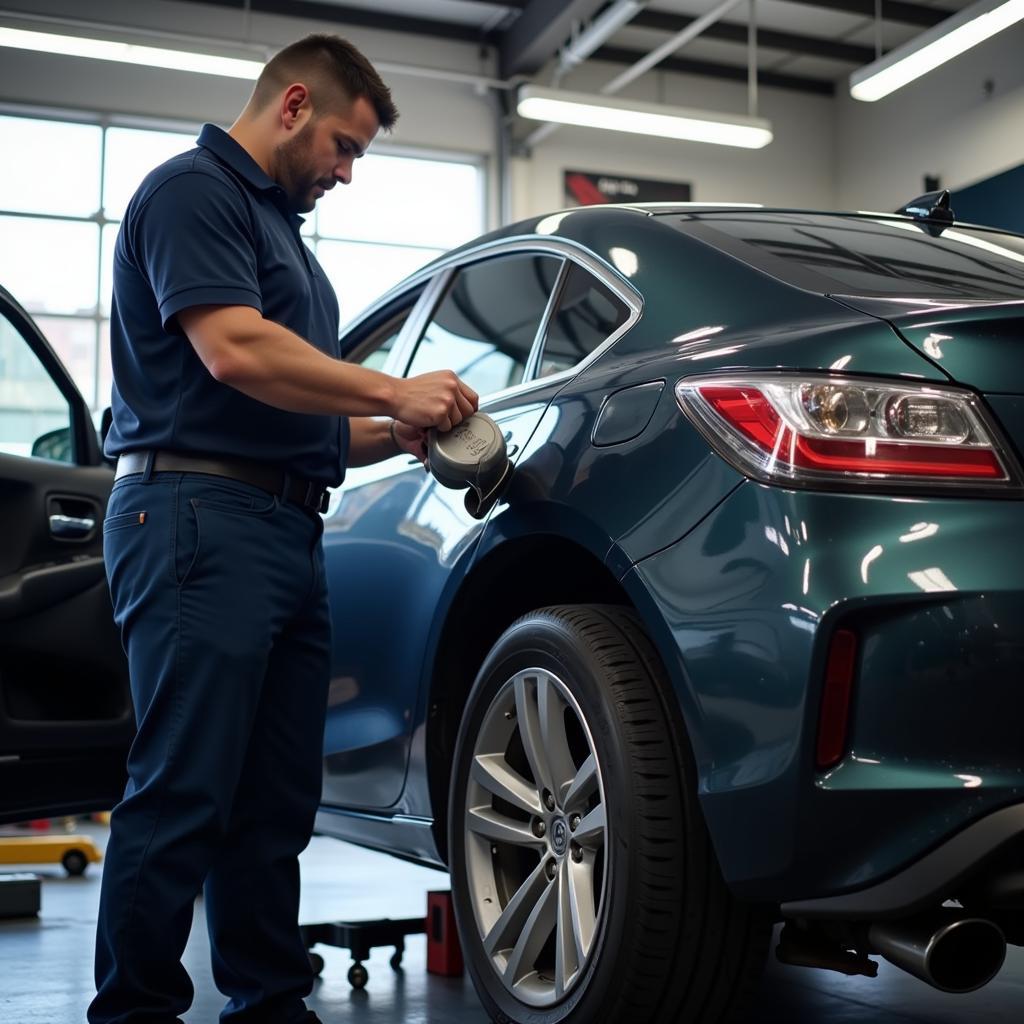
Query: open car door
x=65, y=710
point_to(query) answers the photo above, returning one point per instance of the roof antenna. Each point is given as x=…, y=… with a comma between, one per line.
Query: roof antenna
x=932, y=207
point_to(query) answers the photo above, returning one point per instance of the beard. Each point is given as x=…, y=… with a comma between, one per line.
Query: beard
x=293, y=173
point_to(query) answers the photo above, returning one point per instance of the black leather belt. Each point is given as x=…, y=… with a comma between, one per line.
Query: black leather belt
x=307, y=493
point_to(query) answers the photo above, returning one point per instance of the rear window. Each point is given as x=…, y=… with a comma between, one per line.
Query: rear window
x=867, y=256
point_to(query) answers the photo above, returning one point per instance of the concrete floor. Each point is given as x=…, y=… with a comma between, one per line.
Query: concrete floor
x=46, y=972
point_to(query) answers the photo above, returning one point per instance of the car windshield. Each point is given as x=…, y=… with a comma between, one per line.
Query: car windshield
x=867, y=255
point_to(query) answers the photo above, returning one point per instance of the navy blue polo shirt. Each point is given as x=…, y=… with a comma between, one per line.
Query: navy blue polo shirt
x=210, y=227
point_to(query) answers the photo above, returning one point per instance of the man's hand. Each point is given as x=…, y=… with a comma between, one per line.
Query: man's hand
x=437, y=399
x=412, y=440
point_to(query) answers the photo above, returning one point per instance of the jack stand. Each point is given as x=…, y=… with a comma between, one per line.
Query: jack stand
x=360, y=937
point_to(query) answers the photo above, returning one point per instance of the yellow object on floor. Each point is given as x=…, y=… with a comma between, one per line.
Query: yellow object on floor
x=75, y=853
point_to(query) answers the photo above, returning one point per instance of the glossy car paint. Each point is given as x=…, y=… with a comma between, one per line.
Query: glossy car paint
x=739, y=584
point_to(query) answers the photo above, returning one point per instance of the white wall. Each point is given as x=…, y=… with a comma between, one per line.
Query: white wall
x=942, y=124
x=797, y=168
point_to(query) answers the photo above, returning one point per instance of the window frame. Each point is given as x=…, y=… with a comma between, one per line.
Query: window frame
x=84, y=442
x=458, y=268
x=571, y=252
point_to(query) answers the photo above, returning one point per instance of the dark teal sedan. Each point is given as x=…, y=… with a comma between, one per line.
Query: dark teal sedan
x=741, y=642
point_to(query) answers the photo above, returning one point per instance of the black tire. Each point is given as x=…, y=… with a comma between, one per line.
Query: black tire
x=358, y=976
x=75, y=862
x=671, y=944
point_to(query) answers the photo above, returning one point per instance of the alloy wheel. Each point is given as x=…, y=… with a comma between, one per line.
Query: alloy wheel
x=536, y=838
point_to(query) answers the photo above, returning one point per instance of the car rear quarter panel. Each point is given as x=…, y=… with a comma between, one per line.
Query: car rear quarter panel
x=751, y=597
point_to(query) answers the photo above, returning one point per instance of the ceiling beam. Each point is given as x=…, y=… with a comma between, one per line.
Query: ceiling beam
x=735, y=32
x=736, y=73
x=536, y=35
x=360, y=17
x=892, y=10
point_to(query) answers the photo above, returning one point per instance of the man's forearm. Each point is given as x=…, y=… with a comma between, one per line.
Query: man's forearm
x=371, y=442
x=268, y=362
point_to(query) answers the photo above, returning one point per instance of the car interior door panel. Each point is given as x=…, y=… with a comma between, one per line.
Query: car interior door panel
x=65, y=709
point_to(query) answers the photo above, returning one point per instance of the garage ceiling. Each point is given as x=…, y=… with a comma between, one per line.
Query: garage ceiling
x=805, y=45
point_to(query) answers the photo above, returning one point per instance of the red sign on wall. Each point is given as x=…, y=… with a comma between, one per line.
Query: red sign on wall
x=584, y=188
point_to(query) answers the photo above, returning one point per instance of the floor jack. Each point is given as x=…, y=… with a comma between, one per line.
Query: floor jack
x=443, y=953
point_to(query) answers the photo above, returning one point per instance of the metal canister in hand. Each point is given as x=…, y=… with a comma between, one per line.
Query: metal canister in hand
x=472, y=455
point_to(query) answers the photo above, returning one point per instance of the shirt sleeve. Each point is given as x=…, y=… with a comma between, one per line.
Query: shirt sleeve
x=194, y=243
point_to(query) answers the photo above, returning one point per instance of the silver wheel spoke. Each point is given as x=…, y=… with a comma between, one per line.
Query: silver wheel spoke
x=497, y=776
x=551, y=717
x=590, y=831
x=580, y=879
x=568, y=955
x=528, y=720
x=509, y=925
x=489, y=823
x=583, y=786
x=533, y=937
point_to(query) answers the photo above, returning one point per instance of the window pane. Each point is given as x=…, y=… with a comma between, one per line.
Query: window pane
x=360, y=272
x=404, y=200
x=50, y=266
x=486, y=323
x=75, y=342
x=107, y=266
x=586, y=315
x=131, y=155
x=49, y=166
x=31, y=406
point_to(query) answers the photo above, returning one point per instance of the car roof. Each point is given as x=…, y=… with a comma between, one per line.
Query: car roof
x=754, y=209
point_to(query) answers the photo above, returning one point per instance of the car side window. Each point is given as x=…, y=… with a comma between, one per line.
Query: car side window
x=486, y=324
x=35, y=417
x=587, y=312
x=373, y=351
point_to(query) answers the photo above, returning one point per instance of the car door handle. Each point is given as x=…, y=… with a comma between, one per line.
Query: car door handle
x=71, y=527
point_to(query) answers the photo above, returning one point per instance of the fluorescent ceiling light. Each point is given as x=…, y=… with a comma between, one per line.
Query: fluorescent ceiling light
x=130, y=53
x=592, y=111
x=927, y=51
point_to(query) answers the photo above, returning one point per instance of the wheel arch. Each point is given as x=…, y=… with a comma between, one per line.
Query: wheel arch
x=513, y=578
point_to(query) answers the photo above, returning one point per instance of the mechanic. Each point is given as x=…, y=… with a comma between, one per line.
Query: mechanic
x=231, y=416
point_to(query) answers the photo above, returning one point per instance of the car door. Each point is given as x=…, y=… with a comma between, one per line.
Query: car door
x=65, y=707
x=395, y=539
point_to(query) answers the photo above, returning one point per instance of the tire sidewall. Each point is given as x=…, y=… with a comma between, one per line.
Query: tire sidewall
x=544, y=642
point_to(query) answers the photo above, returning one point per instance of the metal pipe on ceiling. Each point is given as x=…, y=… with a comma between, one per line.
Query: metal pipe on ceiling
x=602, y=28
x=650, y=60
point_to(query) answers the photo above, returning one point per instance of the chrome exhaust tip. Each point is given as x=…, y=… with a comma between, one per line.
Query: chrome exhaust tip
x=949, y=951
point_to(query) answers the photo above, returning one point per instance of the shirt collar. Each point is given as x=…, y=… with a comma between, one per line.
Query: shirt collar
x=226, y=149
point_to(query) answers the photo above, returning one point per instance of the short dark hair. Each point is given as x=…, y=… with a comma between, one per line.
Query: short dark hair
x=322, y=61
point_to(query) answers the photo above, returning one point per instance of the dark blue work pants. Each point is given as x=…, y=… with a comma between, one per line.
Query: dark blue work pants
x=220, y=593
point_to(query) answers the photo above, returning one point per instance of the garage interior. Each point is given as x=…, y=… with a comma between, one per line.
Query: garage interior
x=78, y=134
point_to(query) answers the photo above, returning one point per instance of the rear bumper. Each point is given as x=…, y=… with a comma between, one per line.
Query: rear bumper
x=743, y=609
x=926, y=883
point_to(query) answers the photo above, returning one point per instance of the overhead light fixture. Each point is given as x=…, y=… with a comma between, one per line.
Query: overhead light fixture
x=539, y=103
x=130, y=53
x=927, y=51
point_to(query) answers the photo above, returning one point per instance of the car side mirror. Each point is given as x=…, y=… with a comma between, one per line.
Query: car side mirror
x=54, y=444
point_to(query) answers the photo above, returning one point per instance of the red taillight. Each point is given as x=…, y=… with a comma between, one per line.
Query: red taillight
x=810, y=429
x=834, y=722
x=750, y=412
